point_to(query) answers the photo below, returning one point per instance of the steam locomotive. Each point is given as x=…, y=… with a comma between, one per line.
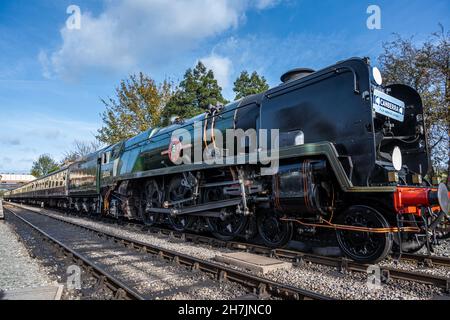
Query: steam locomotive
x=352, y=160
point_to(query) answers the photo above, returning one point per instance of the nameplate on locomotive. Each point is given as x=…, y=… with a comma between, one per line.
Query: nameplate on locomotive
x=388, y=106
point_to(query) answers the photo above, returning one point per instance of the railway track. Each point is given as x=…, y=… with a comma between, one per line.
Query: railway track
x=426, y=259
x=261, y=287
x=292, y=255
x=104, y=278
x=297, y=257
x=342, y=264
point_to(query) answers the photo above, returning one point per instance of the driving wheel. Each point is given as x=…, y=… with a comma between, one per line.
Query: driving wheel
x=364, y=247
x=180, y=194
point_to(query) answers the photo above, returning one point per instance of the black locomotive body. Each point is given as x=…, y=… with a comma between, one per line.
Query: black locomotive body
x=351, y=161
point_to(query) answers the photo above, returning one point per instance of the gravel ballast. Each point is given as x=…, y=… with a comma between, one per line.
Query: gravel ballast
x=17, y=269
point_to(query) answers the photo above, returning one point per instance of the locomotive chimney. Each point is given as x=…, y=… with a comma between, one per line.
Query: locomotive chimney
x=295, y=74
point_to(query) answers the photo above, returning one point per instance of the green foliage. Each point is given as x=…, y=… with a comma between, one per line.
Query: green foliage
x=196, y=92
x=426, y=68
x=246, y=85
x=43, y=166
x=138, y=107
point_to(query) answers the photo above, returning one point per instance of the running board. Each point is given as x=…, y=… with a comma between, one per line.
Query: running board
x=199, y=208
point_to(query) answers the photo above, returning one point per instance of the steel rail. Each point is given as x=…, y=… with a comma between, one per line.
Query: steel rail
x=260, y=286
x=297, y=257
x=121, y=291
x=427, y=260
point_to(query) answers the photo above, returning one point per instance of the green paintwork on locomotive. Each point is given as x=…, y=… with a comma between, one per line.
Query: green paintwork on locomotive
x=139, y=154
x=145, y=152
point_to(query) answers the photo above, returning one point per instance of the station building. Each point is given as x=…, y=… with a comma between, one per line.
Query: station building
x=12, y=181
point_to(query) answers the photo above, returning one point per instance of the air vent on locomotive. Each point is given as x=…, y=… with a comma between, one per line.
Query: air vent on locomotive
x=296, y=74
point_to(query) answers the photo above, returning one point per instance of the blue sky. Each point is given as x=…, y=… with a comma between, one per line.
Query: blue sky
x=52, y=78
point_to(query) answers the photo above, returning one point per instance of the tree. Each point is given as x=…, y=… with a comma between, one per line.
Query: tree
x=441, y=65
x=426, y=68
x=43, y=166
x=196, y=92
x=246, y=85
x=138, y=107
x=80, y=149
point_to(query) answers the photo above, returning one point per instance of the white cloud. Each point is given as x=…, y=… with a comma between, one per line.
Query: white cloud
x=264, y=4
x=131, y=32
x=222, y=68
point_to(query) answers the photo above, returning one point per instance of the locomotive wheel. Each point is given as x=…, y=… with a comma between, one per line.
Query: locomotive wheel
x=364, y=247
x=274, y=232
x=176, y=191
x=229, y=225
x=152, y=199
x=180, y=223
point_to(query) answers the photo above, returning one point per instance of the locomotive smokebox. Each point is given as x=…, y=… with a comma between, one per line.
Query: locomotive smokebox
x=295, y=74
